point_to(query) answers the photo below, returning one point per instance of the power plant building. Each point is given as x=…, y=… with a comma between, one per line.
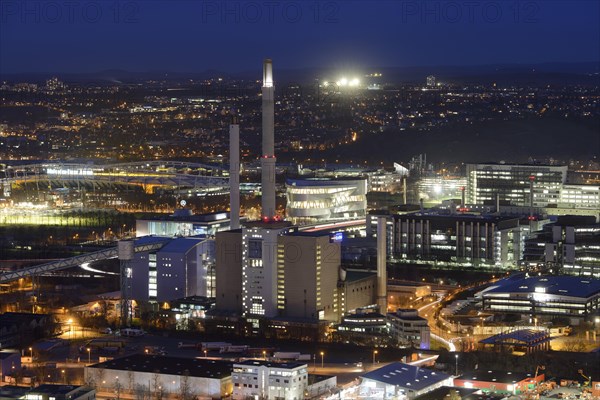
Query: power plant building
x=183, y=267
x=270, y=276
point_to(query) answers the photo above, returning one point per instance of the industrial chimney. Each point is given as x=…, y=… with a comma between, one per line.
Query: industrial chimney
x=268, y=143
x=382, y=264
x=234, y=174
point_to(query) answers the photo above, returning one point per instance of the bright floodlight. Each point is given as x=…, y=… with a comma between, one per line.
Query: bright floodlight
x=343, y=82
x=354, y=82
x=325, y=83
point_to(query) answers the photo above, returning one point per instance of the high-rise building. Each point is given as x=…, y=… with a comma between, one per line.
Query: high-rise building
x=570, y=245
x=307, y=276
x=229, y=271
x=183, y=267
x=431, y=80
x=514, y=183
x=259, y=267
x=458, y=238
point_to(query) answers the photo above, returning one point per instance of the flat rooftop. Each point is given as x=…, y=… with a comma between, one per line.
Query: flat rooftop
x=201, y=368
x=271, y=364
x=60, y=391
x=507, y=377
x=354, y=275
x=406, y=376
x=572, y=286
x=207, y=218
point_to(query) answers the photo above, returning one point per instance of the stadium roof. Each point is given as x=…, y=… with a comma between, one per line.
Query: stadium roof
x=406, y=376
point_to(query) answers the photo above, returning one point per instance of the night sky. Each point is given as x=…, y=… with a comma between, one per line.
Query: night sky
x=233, y=36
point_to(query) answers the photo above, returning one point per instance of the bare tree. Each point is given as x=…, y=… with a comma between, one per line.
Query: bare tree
x=142, y=392
x=157, y=387
x=118, y=387
x=130, y=381
x=185, y=388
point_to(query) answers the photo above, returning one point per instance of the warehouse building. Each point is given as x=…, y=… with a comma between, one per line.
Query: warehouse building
x=168, y=375
x=399, y=380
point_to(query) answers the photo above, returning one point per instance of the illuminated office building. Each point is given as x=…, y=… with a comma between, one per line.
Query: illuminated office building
x=458, y=238
x=511, y=182
x=570, y=245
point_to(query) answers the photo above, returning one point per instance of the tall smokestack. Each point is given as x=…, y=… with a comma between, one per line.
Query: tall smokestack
x=268, y=143
x=234, y=174
x=404, y=190
x=462, y=198
x=381, y=264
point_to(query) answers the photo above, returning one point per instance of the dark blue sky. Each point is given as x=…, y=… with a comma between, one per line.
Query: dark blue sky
x=195, y=35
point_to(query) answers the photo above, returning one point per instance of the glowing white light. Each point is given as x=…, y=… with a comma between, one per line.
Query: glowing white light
x=325, y=83
x=354, y=82
x=343, y=82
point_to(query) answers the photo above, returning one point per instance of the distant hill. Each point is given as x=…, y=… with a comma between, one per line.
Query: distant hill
x=512, y=141
x=545, y=73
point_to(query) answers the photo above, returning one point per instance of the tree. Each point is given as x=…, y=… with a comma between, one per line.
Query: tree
x=142, y=392
x=185, y=388
x=157, y=387
x=118, y=387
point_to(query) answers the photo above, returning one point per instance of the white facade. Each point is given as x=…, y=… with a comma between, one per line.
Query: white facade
x=406, y=327
x=266, y=380
x=163, y=378
x=259, y=270
x=314, y=200
x=580, y=196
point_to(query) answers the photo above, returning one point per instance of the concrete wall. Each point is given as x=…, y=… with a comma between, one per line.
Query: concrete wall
x=229, y=271
x=106, y=380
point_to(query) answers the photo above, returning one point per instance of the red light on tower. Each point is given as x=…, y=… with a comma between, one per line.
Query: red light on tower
x=532, y=178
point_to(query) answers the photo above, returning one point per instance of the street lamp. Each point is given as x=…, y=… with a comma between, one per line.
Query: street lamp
x=322, y=357
x=89, y=355
x=205, y=353
x=265, y=355
x=374, y=354
x=456, y=368
x=31, y=353
x=70, y=323
x=64, y=376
